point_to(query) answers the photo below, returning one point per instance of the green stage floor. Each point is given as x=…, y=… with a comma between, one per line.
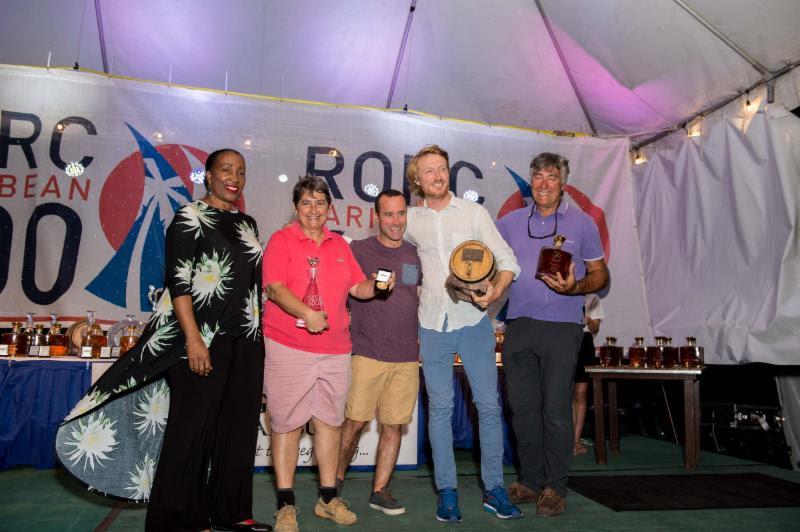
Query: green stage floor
x=32, y=500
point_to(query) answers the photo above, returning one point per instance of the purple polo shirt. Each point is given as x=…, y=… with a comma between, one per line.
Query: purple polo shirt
x=529, y=297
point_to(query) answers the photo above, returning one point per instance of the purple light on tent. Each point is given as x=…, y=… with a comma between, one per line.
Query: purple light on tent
x=609, y=100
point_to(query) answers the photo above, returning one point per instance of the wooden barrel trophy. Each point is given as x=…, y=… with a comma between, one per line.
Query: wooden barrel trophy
x=471, y=263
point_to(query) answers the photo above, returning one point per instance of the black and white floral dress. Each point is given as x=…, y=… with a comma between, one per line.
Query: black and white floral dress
x=112, y=438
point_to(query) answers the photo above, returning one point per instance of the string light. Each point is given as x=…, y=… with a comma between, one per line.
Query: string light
x=749, y=106
x=74, y=169
x=639, y=157
x=372, y=190
x=248, y=143
x=471, y=195
x=198, y=175
x=333, y=152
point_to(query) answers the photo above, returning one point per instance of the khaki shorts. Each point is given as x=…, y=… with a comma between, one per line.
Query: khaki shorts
x=390, y=387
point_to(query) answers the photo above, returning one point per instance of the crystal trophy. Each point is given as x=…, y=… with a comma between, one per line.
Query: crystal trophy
x=312, y=297
x=554, y=260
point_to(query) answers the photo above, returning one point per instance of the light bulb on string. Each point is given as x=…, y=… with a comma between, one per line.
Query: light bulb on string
x=749, y=106
x=639, y=158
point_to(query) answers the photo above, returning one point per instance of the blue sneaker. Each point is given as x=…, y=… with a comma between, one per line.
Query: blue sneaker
x=447, y=508
x=496, y=501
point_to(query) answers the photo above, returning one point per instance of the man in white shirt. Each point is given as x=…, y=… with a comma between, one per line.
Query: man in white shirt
x=437, y=227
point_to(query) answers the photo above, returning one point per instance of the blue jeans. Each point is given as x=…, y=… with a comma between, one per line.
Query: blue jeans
x=475, y=345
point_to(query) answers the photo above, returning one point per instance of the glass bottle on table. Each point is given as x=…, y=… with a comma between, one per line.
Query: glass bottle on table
x=637, y=353
x=13, y=337
x=36, y=340
x=611, y=353
x=670, y=354
x=29, y=331
x=655, y=353
x=129, y=338
x=691, y=354
x=55, y=338
x=92, y=337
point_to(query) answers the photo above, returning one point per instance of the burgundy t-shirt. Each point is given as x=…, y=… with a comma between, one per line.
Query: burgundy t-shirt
x=386, y=329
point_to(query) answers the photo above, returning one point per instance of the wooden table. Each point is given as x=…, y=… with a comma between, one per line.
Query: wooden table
x=691, y=406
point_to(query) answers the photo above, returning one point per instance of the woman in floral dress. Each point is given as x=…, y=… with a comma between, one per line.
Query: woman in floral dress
x=192, y=382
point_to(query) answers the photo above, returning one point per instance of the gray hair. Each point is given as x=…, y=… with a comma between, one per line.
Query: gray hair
x=551, y=160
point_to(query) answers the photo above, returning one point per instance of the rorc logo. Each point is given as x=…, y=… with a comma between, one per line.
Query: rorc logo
x=138, y=200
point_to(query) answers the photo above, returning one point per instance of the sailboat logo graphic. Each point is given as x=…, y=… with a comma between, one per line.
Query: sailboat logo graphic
x=139, y=198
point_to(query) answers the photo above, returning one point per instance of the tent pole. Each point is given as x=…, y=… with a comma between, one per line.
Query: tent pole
x=400, y=54
x=724, y=38
x=770, y=81
x=565, y=66
x=101, y=35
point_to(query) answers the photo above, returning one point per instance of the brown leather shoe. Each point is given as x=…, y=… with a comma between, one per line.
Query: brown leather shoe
x=520, y=493
x=550, y=503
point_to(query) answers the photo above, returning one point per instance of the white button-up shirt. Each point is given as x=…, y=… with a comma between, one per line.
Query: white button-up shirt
x=436, y=234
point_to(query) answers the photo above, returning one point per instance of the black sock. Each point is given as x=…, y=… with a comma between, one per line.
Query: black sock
x=327, y=493
x=285, y=498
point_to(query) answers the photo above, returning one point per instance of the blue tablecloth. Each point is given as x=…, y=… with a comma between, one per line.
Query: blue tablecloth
x=465, y=419
x=34, y=397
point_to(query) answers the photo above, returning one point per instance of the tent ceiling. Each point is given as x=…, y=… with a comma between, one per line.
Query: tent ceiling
x=638, y=65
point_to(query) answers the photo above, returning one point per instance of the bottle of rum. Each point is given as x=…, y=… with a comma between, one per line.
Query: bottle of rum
x=637, y=353
x=670, y=354
x=611, y=353
x=12, y=338
x=554, y=260
x=691, y=354
x=128, y=339
x=36, y=340
x=655, y=354
x=56, y=339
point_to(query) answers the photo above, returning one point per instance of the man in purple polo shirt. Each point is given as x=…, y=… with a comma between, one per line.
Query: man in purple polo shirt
x=544, y=332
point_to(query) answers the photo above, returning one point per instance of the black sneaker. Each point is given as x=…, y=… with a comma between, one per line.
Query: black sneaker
x=383, y=501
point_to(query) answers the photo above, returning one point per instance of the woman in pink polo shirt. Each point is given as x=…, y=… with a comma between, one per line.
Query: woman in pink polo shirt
x=307, y=367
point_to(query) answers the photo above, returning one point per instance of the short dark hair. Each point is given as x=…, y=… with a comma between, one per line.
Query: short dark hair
x=211, y=160
x=411, y=171
x=311, y=184
x=551, y=160
x=388, y=193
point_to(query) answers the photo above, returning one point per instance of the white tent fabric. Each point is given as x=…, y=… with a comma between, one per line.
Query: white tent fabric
x=717, y=221
x=638, y=65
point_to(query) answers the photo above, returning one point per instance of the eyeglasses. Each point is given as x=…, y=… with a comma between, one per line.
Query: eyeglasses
x=555, y=229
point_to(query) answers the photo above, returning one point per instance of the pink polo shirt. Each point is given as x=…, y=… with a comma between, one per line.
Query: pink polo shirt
x=285, y=262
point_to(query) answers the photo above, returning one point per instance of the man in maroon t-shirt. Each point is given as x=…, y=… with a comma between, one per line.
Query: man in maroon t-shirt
x=385, y=363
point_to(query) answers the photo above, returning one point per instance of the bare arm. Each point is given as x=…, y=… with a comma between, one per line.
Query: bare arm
x=316, y=320
x=596, y=278
x=592, y=325
x=196, y=350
